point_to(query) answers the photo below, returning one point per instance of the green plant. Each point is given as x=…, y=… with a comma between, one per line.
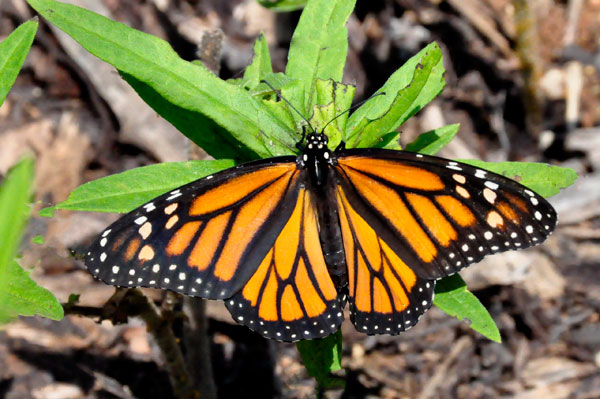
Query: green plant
x=19, y=294
x=241, y=120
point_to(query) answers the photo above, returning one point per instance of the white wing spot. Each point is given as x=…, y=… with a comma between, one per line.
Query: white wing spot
x=480, y=173
x=102, y=242
x=166, y=280
x=182, y=276
x=529, y=192
x=529, y=229
x=534, y=201
x=491, y=185
x=454, y=167
x=538, y=215
x=102, y=256
x=465, y=247
x=198, y=281
x=115, y=269
x=107, y=232
x=140, y=220
x=513, y=235
x=488, y=235
x=156, y=268
x=172, y=197
x=132, y=272
x=172, y=267
x=472, y=236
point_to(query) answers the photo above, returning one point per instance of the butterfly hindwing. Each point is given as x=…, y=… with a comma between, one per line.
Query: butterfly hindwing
x=203, y=239
x=291, y=295
x=437, y=215
x=385, y=294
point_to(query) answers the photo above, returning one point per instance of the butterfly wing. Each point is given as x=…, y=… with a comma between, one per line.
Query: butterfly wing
x=291, y=295
x=206, y=238
x=439, y=216
x=385, y=294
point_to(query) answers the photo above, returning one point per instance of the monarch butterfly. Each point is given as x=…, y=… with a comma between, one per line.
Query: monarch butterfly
x=287, y=241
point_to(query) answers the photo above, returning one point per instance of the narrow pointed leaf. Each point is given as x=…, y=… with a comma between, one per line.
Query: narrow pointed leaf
x=407, y=91
x=125, y=191
x=452, y=296
x=13, y=51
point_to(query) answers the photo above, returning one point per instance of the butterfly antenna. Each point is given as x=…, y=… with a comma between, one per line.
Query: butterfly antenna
x=353, y=107
x=291, y=106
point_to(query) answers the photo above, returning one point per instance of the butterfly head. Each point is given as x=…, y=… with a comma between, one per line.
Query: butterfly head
x=316, y=157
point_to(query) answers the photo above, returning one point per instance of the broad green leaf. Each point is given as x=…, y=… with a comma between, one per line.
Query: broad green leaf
x=260, y=66
x=321, y=357
x=319, y=45
x=21, y=296
x=407, y=91
x=186, y=85
x=332, y=103
x=123, y=192
x=13, y=51
x=430, y=143
x=544, y=179
x=283, y=5
x=15, y=196
x=452, y=296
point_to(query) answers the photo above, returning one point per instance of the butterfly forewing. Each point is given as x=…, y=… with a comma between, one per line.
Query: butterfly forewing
x=204, y=239
x=437, y=215
x=291, y=295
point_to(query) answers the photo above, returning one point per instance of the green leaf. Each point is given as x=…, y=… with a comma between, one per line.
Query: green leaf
x=283, y=5
x=38, y=240
x=321, y=357
x=15, y=196
x=123, y=192
x=432, y=142
x=452, y=296
x=13, y=51
x=20, y=295
x=407, y=91
x=333, y=100
x=260, y=66
x=544, y=179
x=319, y=46
x=185, y=85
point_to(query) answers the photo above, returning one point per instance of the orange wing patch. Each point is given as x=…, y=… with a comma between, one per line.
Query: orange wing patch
x=389, y=204
x=291, y=289
x=395, y=172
